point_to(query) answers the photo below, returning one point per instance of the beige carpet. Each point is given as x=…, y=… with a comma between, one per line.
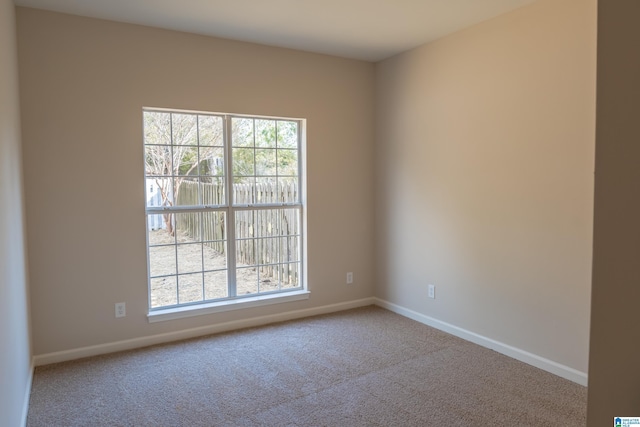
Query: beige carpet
x=362, y=367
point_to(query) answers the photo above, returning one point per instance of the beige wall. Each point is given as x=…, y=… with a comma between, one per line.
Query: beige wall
x=614, y=371
x=484, y=167
x=15, y=348
x=83, y=85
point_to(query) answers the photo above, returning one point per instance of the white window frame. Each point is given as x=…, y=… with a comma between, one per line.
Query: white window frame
x=233, y=301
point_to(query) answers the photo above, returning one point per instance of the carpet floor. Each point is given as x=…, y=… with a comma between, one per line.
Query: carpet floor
x=361, y=367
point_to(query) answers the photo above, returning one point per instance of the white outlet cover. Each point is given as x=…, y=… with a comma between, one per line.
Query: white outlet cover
x=121, y=309
x=432, y=291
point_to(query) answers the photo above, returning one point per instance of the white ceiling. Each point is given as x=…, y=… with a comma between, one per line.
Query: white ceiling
x=362, y=29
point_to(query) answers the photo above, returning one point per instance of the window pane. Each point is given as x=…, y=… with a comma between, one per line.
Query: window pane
x=187, y=191
x=267, y=251
x=244, y=224
x=287, y=134
x=245, y=252
x=243, y=162
x=184, y=129
x=265, y=133
x=268, y=278
x=157, y=127
x=185, y=160
x=162, y=236
x=155, y=222
x=187, y=227
x=158, y=160
x=265, y=162
x=290, y=249
x=212, y=161
x=210, y=130
x=189, y=258
x=244, y=191
x=164, y=291
x=246, y=281
x=162, y=260
x=190, y=288
x=214, y=226
x=213, y=191
x=290, y=275
x=289, y=222
x=288, y=190
x=159, y=192
x=215, y=255
x=288, y=162
x=242, y=132
x=215, y=285
x=266, y=222
x=266, y=190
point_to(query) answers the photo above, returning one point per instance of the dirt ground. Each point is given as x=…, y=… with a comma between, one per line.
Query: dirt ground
x=191, y=284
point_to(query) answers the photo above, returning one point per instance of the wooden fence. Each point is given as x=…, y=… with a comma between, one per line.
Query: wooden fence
x=266, y=237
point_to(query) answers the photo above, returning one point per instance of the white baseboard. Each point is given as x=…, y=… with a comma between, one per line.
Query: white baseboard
x=94, y=350
x=27, y=394
x=513, y=352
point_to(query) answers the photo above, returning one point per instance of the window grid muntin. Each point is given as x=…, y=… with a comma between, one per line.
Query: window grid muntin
x=227, y=177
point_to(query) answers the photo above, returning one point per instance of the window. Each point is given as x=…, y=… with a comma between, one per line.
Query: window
x=224, y=207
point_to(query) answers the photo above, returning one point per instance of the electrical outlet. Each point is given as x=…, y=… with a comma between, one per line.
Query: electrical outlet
x=432, y=291
x=349, y=278
x=121, y=309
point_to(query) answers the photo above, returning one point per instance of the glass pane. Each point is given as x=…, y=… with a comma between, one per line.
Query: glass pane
x=266, y=222
x=214, y=255
x=243, y=162
x=266, y=190
x=213, y=191
x=265, y=133
x=242, y=132
x=157, y=127
x=267, y=251
x=290, y=249
x=184, y=129
x=187, y=227
x=268, y=278
x=190, y=288
x=246, y=281
x=215, y=285
x=287, y=134
x=245, y=252
x=265, y=162
x=164, y=291
x=214, y=225
x=244, y=224
x=210, y=129
x=158, y=160
x=287, y=162
x=162, y=236
x=288, y=190
x=189, y=258
x=155, y=222
x=290, y=275
x=159, y=192
x=185, y=160
x=186, y=191
x=243, y=191
x=212, y=161
x=289, y=222
x=162, y=260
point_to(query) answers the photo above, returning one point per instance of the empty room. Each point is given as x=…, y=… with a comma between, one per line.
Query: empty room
x=319, y=213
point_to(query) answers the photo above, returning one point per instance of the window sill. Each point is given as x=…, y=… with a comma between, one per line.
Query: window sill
x=220, y=306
